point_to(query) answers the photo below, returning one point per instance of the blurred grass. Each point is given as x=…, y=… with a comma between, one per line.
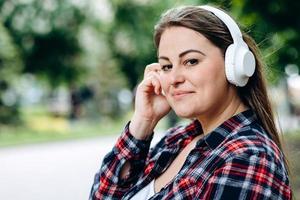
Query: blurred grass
x=24, y=134
x=39, y=126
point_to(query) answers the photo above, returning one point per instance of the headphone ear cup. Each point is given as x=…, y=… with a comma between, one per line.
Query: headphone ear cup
x=244, y=66
x=239, y=64
x=229, y=64
x=245, y=62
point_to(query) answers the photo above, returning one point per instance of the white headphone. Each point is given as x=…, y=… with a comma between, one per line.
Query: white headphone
x=239, y=60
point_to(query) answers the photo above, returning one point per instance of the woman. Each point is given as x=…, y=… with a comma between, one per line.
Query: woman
x=209, y=72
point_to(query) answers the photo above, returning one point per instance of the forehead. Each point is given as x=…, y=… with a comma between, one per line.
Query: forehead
x=177, y=39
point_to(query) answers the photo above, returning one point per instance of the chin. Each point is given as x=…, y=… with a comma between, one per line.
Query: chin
x=189, y=112
x=184, y=114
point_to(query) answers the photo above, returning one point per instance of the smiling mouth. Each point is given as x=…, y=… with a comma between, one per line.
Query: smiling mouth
x=180, y=95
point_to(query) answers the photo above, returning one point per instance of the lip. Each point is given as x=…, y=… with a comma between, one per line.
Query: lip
x=180, y=94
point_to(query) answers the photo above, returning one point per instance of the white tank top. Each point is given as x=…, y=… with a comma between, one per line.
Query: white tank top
x=146, y=193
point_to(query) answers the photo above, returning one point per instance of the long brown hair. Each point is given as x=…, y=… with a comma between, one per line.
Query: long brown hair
x=254, y=94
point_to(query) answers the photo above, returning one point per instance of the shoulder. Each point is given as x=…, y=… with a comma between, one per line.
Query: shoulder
x=252, y=144
x=252, y=138
x=251, y=149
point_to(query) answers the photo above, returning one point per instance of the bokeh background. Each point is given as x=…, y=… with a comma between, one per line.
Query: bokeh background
x=68, y=68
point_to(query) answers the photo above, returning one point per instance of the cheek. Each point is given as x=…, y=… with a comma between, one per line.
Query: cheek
x=216, y=86
x=215, y=72
x=210, y=81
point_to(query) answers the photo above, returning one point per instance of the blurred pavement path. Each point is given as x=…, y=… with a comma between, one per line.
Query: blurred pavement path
x=53, y=171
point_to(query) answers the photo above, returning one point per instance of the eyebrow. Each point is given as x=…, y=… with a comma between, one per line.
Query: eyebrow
x=183, y=53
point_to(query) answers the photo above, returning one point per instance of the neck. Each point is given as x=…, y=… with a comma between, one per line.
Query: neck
x=210, y=121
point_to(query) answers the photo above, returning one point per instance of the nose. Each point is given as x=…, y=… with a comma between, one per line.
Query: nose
x=176, y=77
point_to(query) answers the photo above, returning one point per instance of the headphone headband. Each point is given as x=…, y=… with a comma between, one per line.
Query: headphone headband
x=228, y=21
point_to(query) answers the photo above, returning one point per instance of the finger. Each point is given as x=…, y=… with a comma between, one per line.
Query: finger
x=154, y=67
x=152, y=82
x=154, y=70
x=157, y=87
x=151, y=74
x=157, y=79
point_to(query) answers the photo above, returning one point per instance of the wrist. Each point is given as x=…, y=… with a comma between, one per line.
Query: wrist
x=141, y=128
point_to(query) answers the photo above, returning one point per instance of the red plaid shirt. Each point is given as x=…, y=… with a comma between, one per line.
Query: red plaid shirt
x=237, y=160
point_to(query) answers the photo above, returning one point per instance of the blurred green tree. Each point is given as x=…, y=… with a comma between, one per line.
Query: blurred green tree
x=10, y=67
x=46, y=34
x=276, y=27
x=63, y=43
x=130, y=36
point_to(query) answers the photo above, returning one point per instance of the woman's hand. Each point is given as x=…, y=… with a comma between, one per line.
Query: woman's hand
x=150, y=104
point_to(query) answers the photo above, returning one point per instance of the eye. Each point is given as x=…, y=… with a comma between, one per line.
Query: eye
x=166, y=68
x=191, y=62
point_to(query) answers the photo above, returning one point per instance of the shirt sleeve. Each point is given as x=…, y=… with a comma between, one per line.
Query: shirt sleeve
x=107, y=182
x=248, y=177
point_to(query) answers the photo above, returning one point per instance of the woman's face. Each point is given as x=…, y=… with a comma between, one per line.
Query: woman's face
x=193, y=75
